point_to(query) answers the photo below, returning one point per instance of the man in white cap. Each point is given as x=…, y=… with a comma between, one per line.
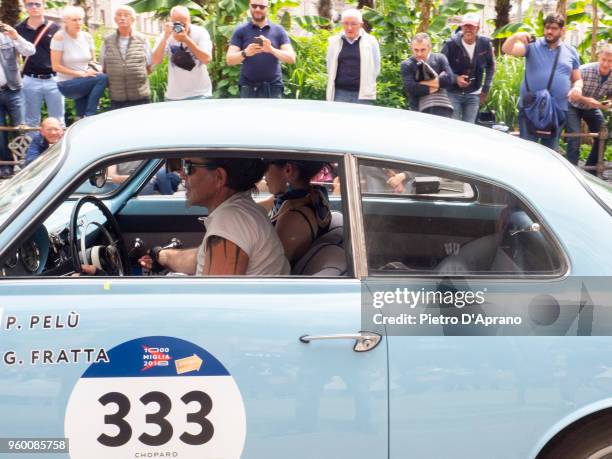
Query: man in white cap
x=471, y=58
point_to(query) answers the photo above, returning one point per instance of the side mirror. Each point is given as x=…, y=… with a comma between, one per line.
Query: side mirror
x=98, y=179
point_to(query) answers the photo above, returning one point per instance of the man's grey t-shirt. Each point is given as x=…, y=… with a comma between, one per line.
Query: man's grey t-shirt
x=539, y=60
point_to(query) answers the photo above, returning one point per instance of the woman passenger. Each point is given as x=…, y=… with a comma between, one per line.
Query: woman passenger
x=72, y=57
x=299, y=211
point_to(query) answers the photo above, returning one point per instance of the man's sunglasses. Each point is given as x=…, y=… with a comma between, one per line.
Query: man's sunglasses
x=33, y=5
x=261, y=7
x=187, y=166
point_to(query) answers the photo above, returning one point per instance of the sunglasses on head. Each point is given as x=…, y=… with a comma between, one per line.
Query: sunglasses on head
x=261, y=7
x=33, y=5
x=188, y=166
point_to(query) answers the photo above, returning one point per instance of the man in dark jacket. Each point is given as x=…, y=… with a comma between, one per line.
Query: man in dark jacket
x=471, y=57
x=51, y=131
x=426, y=75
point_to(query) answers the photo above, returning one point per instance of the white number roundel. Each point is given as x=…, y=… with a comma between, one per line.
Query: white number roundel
x=159, y=397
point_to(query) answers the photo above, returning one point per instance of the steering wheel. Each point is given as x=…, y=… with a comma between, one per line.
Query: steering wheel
x=111, y=257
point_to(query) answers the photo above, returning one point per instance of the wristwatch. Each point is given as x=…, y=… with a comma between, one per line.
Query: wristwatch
x=244, y=54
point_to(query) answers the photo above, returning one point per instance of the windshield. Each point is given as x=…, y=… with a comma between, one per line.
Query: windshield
x=602, y=189
x=19, y=188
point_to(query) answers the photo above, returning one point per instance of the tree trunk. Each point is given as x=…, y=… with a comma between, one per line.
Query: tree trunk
x=325, y=7
x=370, y=4
x=562, y=8
x=502, y=18
x=425, y=6
x=594, y=31
x=9, y=12
x=362, y=3
x=86, y=5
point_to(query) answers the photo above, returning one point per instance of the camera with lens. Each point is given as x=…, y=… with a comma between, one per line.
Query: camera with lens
x=177, y=27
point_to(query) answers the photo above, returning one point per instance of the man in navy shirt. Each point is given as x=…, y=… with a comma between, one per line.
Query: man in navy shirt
x=260, y=47
x=539, y=58
x=51, y=131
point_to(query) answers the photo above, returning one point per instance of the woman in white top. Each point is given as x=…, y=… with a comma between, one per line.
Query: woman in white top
x=72, y=52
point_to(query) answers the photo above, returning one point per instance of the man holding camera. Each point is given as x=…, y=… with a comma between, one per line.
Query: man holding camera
x=471, y=57
x=260, y=47
x=597, y=78
x=549, y=64
x=11, y=97
x=189, y=49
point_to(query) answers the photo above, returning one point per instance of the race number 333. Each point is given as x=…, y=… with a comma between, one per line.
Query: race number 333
x=187, y=406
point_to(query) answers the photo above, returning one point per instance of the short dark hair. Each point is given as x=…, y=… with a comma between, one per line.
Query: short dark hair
x=555, y=18
x=421, y=36
x=306, y=169
x=242, y=173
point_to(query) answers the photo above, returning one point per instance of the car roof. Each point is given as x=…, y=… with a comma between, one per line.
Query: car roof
x=318, y=126
x=304, y=125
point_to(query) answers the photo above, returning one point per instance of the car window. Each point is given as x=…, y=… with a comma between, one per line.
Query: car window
x=304, y=222
x=117, y=174
x=390, y=181
x=425, y=221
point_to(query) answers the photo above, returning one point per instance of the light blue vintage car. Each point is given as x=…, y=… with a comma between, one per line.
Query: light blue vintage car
x=439, y=317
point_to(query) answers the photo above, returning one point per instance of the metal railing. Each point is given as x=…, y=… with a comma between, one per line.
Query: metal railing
x=602, y=135
x=18, y=145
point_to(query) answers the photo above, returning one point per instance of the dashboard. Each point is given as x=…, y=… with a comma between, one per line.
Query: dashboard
x=42, y=254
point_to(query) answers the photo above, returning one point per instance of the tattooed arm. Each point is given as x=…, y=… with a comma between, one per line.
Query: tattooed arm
x=224, y=258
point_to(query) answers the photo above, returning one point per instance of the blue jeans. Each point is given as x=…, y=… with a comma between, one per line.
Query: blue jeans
x=465, y=106
x=594, y=120
x=34, y=92
x=352, y=97
x=166, y=182
x=86, y=92
x=550, y=142
x=11, y=105
x=263, y=90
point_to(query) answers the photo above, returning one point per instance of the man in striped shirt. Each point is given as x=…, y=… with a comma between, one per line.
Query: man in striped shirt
x=596, y=95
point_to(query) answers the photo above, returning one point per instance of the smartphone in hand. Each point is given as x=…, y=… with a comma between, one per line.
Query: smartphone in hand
x=258, y=41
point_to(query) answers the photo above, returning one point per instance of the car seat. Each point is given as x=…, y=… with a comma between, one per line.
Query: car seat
x=326, y=256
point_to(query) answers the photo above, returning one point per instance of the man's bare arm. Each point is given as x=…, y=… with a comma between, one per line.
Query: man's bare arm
x=516, y=45
x=224, y=258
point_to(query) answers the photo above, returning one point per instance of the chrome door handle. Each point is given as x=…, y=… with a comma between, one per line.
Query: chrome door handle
x=365, y=341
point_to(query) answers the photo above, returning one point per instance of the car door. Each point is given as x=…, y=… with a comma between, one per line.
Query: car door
x=476, y=305
x=192, y=367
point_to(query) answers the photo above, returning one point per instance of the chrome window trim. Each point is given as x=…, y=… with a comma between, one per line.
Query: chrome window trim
x=355, y=211
x=169, y=152
x=555, y=240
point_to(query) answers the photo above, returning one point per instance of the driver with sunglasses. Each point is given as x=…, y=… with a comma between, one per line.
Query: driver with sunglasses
x=239, y=239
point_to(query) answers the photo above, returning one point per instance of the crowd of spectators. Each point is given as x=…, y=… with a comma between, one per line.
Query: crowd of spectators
x=59, y=62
